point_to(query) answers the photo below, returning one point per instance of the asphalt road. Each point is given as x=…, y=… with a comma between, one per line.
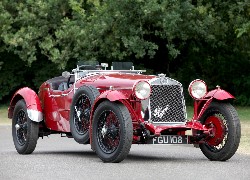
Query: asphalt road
x=62, y=158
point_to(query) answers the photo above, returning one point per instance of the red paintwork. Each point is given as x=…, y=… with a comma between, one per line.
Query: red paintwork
x=55, y=104
x=114, y=95
x=189, y=125
x=218, y=130
x=201, y=105
x=57, y=109
x=115, y=80
x=31, y=99
x=219, y=94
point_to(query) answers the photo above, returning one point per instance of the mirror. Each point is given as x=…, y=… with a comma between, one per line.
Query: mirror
x=66, y=74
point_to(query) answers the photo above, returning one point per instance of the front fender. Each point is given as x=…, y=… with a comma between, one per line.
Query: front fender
x=34, y=109
x=114, y=95
x=200, y=106
x=219, y=94
x=111, y=95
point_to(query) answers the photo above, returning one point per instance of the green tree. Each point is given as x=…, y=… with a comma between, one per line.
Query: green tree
x=185, y=39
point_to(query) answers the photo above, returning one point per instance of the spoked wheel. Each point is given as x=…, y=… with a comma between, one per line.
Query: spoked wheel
x=21, y=127
x=108, y=131
x=223, y=119
x=24, y=131
x=80, y=113
x=112, y=131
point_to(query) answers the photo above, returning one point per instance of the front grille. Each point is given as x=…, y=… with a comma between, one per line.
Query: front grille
x=166, y=104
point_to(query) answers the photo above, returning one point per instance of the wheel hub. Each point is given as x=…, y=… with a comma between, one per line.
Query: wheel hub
x=21, y=128
x=104, y=131
x=86, y=113
x=113, y=131
x=17, y=127
x=78, y=113
x=82, y=114
x=217, y=130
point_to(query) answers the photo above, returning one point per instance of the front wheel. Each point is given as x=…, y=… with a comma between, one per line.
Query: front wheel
x=24, y=131
x=223, y=119
x=112, y=132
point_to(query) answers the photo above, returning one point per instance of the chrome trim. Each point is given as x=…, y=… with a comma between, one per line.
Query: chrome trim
x=161, y=80
x=35, y=115
x=68, y=92
x=114, y=88
x=61, y=95
x=168, y=123
x=55, y=95
x=166, y=78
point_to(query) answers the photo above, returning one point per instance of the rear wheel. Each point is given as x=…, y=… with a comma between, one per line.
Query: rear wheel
x=80, y=113
x=225, y=124
x=24, y=131
x=112, y=132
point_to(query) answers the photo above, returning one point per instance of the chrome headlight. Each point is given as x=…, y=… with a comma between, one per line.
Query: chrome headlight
x=197, y=89
x=142, y=89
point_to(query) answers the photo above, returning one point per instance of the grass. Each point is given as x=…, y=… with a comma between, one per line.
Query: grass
x=4, y=120
x=244, y=115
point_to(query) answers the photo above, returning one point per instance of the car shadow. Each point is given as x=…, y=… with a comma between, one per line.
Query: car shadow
x=132, y=157
x=145, y=158
x=68, y=153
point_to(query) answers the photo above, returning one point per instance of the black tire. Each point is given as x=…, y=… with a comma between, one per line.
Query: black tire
x=112, y=132
x=227, y=131
x=24, y=130
x=80, y=111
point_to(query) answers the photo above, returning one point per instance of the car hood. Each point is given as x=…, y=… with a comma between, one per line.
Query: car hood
x=117, y=80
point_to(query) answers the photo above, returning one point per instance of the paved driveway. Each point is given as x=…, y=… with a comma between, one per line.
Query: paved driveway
x=62, y=158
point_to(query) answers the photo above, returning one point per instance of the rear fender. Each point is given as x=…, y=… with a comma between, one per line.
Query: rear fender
x=32, y=101
x=200, y=106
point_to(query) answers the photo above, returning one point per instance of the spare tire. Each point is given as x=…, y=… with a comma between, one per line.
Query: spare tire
x=80, y=111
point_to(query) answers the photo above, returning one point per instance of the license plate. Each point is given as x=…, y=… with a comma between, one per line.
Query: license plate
x=169, y=139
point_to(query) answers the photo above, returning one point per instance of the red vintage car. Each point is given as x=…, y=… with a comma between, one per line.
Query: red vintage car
x=113, y=109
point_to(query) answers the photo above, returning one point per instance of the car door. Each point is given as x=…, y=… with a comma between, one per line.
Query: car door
x=56, y=115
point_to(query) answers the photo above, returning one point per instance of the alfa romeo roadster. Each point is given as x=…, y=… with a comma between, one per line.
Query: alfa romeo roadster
x=113, y=109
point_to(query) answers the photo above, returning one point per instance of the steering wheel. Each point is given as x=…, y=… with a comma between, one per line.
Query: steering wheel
x=68, y=82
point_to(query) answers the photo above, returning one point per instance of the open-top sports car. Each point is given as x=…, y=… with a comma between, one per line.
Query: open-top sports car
x=113, y=109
